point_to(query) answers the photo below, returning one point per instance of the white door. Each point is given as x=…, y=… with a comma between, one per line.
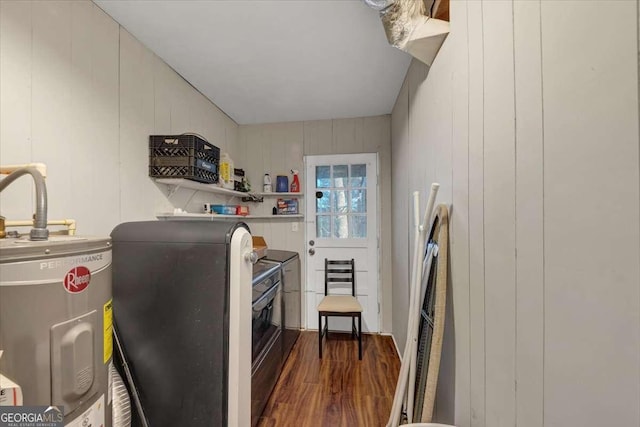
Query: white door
x=341, y=223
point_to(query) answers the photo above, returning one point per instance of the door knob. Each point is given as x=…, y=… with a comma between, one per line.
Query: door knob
x=312, y=251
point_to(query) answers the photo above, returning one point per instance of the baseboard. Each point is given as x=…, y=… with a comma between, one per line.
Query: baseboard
x=395, y=344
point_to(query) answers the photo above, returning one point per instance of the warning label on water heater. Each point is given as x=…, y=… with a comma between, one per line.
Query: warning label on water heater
x=108, y=330
x=94, y=416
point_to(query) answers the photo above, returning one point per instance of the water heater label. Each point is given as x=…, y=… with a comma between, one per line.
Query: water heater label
x=77, y=279
x=108, y=330
x=50, y=270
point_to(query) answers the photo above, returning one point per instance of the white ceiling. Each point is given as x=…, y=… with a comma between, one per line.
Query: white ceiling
x=273, y=61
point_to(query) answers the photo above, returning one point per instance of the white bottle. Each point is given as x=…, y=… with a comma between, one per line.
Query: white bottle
x=266, y=183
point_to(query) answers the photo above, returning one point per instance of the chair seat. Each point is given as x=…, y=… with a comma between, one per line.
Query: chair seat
x=340, y=304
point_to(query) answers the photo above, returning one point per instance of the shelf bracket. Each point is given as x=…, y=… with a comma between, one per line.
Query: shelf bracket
x=172, y=190
x=252, y=198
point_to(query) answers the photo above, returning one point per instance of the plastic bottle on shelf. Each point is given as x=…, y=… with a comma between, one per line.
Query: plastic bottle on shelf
x=226, y=171
x=295, y=184
x=266, y=183
x=282, y=184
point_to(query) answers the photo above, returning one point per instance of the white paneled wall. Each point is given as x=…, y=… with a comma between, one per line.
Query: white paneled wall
x=591, y=278
x=529, y=120
x=79, y=93
x=529, y=213
x=15, y=103
x=499, y=213
x=276, y=148
x=458, y=391
x=474, y=415
x=400, y=250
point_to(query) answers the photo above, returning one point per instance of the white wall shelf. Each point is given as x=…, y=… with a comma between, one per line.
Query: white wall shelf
x=177, y=183
x=185, y=216
x=274, y=194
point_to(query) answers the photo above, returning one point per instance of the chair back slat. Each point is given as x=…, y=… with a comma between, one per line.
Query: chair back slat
x=339, y=275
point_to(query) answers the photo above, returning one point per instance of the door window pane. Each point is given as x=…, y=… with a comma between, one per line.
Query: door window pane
x=340, y=201
x=359, y=201
x=340, y=176
x=358, y=226
x=340, y=227
x=323, y=226
x=323, y=176
x=358, y=175
x=324, y=204
x=342, y=209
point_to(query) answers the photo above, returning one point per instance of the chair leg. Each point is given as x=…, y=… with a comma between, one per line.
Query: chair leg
x=353, y=327
x=359, y=337
x=320, y=335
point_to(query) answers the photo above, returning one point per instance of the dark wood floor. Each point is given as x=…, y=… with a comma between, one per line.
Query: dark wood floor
x=338, y=390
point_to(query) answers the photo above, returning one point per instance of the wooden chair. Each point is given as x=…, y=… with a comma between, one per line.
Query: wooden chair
x=340, y=273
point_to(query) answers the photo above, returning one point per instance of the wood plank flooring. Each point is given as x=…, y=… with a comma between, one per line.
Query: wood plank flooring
x=338, y=390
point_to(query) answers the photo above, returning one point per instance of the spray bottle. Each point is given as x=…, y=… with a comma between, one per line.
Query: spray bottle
x=295, y=184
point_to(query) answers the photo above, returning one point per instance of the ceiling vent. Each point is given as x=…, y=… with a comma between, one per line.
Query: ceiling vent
x=418, y=27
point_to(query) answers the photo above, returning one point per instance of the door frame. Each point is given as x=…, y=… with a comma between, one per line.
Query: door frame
x=378, y=210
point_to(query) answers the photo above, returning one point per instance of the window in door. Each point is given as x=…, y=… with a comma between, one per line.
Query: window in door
x=341, y=212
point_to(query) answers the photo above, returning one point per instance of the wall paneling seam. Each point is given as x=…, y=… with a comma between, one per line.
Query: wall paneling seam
x=119, y=121
x=515, y=213
x=469, y=203
x=484, y=241
x=31, y=159
x=638, y=75
x=408, y=148
x=544, y=278
x=31, y=86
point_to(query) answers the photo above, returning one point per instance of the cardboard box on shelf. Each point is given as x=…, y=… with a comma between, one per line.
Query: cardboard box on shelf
x=260, y=246
x=287, y=206
x=223, y=209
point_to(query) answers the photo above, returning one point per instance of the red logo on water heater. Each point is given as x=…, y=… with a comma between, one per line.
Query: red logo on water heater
x=77, y=279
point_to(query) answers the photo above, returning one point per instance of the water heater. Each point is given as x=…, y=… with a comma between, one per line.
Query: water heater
x=56, y=318
x=56, y=324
